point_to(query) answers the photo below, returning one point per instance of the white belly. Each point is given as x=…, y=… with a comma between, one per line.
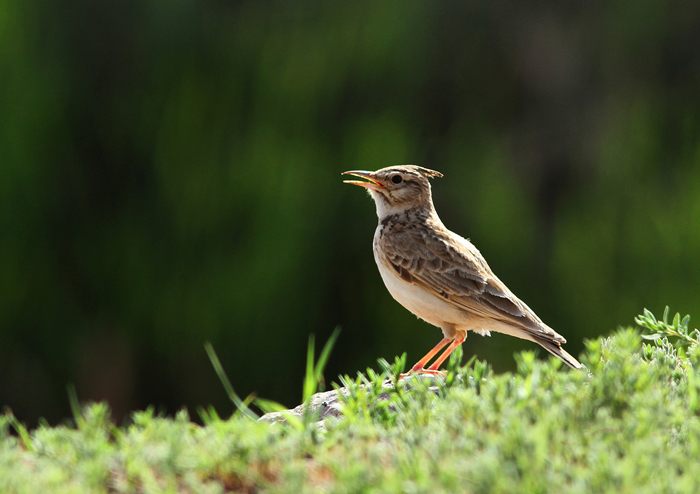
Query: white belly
x=420, y=302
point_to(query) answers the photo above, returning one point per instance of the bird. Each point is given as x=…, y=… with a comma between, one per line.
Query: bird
x=438, y=275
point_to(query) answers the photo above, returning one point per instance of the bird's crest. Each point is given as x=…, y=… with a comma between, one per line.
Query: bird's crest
x=428, y=172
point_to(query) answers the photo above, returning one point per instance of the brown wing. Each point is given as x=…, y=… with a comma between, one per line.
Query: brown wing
x=452, y=268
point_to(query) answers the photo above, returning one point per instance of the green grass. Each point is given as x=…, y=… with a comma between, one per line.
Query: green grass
x=630, y=424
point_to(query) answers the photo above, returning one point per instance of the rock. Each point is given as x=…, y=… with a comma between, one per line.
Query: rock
x=328, y=404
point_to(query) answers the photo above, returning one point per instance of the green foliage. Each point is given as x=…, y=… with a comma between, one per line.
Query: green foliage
x=629, y=424
x=313, y=379
x=314, y=371
x=678, y=329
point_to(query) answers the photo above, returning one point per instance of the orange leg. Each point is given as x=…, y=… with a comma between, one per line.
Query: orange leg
x=455, y=343
x=421, y=363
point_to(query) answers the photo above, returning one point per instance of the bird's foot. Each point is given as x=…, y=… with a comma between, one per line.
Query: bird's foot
x=423, y=372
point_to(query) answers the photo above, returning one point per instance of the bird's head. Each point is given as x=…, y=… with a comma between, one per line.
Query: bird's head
x=397, y=188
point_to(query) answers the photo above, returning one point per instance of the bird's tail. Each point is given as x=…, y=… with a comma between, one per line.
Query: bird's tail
x=555, y=349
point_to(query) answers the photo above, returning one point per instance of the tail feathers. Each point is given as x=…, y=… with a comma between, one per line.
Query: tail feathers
x=555, y=349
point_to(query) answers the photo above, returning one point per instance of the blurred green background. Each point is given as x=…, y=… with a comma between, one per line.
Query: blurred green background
x=170, y=174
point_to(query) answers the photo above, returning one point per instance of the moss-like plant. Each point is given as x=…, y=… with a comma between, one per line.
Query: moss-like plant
x=629, y=423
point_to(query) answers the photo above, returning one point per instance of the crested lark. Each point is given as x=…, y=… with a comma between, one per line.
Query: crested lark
x=438, y=275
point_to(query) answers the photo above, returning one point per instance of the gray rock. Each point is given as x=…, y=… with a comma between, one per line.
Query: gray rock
x=328, y=404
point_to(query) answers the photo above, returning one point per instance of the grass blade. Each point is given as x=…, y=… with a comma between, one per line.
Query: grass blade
x=310, y=375
x=325, y=353
x=240, y=405
x=75, y=406
x=21, y=430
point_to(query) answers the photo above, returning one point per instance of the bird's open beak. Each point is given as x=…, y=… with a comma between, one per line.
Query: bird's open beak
x=372, y=181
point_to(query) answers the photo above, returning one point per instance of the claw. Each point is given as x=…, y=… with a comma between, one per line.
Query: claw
x=423, y=372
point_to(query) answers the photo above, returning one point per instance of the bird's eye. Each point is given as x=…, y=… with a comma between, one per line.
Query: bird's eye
x=397, y=179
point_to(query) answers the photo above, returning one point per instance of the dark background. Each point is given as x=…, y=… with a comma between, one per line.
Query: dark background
x=170, y=174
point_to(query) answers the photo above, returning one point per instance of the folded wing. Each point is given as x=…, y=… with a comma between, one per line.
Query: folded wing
x=462, y=276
